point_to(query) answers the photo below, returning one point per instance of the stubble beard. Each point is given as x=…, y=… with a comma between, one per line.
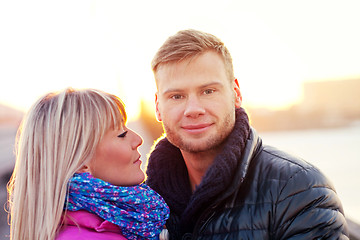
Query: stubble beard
x=213, y=142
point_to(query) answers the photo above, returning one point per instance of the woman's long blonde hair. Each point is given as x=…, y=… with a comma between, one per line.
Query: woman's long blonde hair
x=57, y=136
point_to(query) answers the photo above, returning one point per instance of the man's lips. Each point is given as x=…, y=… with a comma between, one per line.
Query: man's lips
x=196, y=128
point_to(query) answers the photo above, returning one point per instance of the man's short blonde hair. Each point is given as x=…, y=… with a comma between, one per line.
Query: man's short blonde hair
x=191, y=43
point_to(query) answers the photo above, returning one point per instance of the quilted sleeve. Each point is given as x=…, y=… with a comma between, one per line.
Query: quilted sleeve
x=309, y=208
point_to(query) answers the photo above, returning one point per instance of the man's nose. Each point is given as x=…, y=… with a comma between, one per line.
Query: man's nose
x=194, y=107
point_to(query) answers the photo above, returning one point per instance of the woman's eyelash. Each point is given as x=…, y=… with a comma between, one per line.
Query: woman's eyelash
x=123, y=134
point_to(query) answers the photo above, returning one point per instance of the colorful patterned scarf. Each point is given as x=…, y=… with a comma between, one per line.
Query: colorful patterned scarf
x=138, y=210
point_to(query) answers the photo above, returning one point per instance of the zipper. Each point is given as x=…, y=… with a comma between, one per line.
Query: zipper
x=209, y=213
x=204, y=220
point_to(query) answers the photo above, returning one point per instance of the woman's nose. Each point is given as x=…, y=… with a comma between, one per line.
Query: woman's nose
x=137, y=140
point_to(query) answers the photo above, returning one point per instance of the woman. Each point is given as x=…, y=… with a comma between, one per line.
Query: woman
x=77, y=173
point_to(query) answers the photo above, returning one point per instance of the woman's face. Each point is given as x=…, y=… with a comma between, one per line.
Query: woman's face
x=117, y=159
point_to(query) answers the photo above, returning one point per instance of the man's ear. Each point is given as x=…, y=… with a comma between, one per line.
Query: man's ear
x=238, y=96
x=157, y=111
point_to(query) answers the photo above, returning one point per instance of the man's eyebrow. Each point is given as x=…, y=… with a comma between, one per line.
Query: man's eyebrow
x=215, y=83
x=171, y=90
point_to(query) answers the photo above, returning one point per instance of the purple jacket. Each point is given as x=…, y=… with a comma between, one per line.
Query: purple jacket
x=85, y=225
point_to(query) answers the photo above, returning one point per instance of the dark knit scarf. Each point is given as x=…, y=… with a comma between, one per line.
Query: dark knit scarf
x=167, y=174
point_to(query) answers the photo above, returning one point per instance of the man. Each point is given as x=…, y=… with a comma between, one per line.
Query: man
x=212, y=169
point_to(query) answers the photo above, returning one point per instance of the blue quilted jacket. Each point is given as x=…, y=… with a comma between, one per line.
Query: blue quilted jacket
x=272, y=195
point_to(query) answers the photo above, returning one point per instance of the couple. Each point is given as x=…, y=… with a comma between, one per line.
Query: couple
x=78, y=176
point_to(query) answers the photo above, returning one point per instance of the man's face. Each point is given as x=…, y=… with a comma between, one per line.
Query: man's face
x=196, y=102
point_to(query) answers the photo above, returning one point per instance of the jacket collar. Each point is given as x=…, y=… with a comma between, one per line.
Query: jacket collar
x=89, y=220
x=253, y=144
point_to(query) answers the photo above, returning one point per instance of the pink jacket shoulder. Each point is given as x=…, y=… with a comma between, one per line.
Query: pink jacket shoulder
x=85, y=225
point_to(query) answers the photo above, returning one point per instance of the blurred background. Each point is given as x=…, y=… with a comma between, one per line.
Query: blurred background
x=298, y=65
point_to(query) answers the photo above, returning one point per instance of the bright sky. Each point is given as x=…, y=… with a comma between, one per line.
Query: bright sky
x=276, y=45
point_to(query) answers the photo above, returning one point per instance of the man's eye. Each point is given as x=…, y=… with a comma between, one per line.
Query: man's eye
x=209, y=91
x=123, y=134
x=175, y=97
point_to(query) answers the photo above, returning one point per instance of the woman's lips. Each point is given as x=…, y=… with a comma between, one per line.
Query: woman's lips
x=138, y=160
